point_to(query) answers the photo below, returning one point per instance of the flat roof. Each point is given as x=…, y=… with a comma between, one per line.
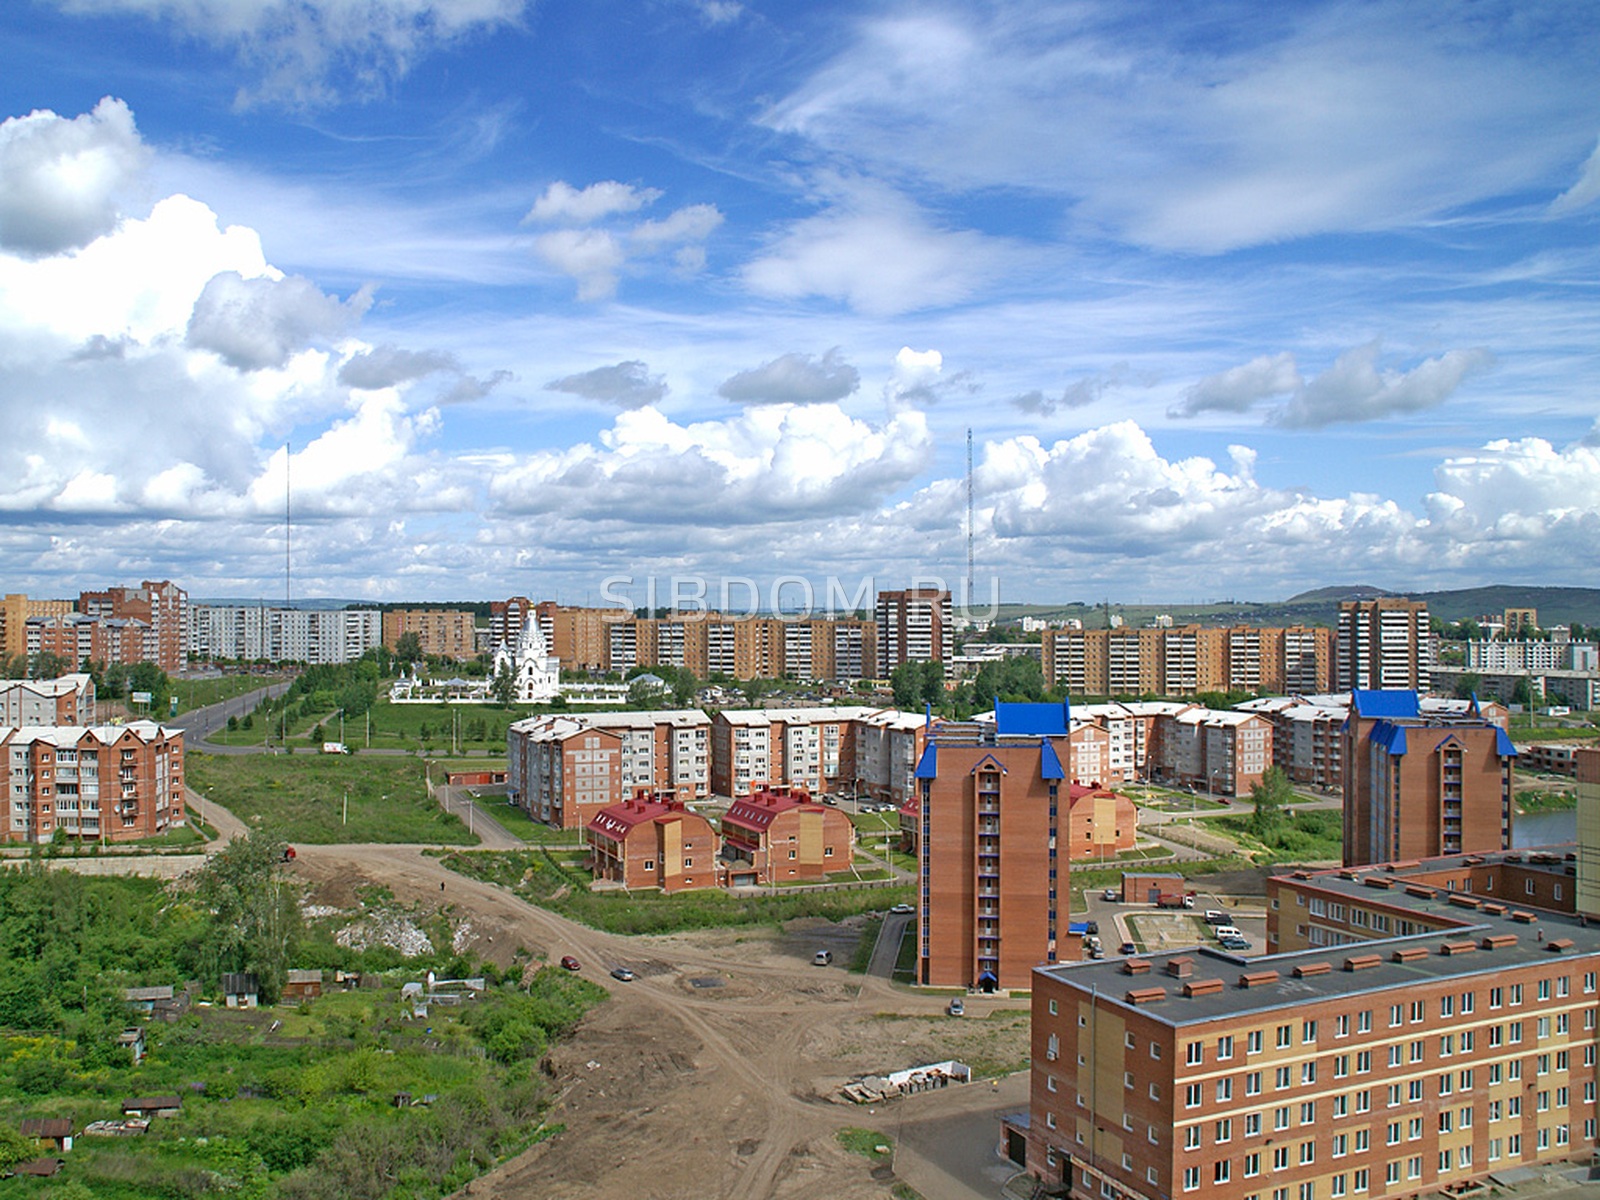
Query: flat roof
x=1478, y=948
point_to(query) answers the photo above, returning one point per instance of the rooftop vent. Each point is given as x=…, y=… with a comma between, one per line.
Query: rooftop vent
x=1149, y=995
x=1252, y=979
x=1522, y=916
x=1461, y=901
x=1494, y=910
x=1449, y=948
x=1362, y=962
x=1499, y=941
x=1202, y=987
x=1181, y=967
x=1136, y=966
x=1306, y=970
x=1559, y=945
x=1409, y=954
x=1419, y=891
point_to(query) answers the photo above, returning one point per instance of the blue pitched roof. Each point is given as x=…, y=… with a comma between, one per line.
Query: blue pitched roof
x=1386, y=703
x=1391, y=737
x=928, y=764
x=1502, y=744
x=1049, y=764
x=1023, y=718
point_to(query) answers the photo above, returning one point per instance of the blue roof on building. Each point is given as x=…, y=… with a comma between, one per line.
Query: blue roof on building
x=1024, y=718
x=1502, y=744
x=1385, y=703
x=1391, y=737
x=1049, y=764
x=928, y=764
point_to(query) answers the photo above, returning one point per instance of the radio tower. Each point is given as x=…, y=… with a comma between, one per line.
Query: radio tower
x=967, y=601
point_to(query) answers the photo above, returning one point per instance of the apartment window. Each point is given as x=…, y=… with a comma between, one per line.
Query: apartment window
x=1155, y=1050
x=1285, y=1036
x=1543, y=1026
x=1364, y=1021
x=1494, y=1111
x=1191, y=1138
x=1155, y=1091
x=1336, y=1188
x=1280, y=1158
x=1224, y=1130
x=1364, y=1100
x=1053, y=1009
x=1308, y=1191
x=1127, y=1076
x=1308, y=1153
x=1395, y=1055
x=1363, y=1140
x=1308, y=1031
x=1252, y=1165
x=1543, y=989
x=1397, y=1014
x=1363, y=1062
x=1341, y=1145
x=1447, y=1045
x=1253, y=1042
x=1516, y=993
x=1414, y=1090
x=1414, y=1167
x=1468, y=1041
x=1341, y=1025
x=1446, y=1121
x=1515, y=1032
x=1359, y=1182
x=1341, y=1106
x=1221, y=1170
x=1155, y=1138
x=1494, y=1073
x=1393, y=1134
x=1308, y=1113
x=1563, y=986
x=1447, y=1006
x=1194, y=1054
x=1225, y=1046
x=1280, y=1078
x=1542, y=1063
x=1468, y=1002
x=1224, y=1090
x=1191, y=1179
x=1497, y=997
x=1308, y=1072
x=1391, y=1172
x=1590, y=981
x=1416, y=1052
x=1252, y=1124
x=1444, y=1161
x=1280, y=1117
x=1417, y=1007
x=1464, y=1080
x=1252, y=1083
x=1191, y=1096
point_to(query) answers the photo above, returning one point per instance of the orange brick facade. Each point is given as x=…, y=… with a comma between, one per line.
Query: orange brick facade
x=109, y=783
x=653, y=842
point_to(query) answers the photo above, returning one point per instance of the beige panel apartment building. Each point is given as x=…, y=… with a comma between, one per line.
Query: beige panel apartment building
x=1187, y=659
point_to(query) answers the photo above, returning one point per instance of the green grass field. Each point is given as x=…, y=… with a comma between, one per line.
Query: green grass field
x=302, y=797
x=459, y=732
x=197, y=693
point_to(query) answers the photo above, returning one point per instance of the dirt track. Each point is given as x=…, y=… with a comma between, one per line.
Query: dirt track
x=677, y=1090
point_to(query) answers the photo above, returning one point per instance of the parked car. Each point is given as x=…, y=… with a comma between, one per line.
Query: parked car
x=1111, y=894
x=622, y=973
x=1091, y=927
x=569, y=963
x=822, y=958
x=1215, y=916
x=1127, y=948
x=1234, y=943
x=902, y=908
x=957, y=1007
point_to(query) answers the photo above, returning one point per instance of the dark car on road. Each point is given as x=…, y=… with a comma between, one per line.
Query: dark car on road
x=622, y=973
x=1127, y=948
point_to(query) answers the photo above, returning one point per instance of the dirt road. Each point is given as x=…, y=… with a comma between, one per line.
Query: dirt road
x=710, y=1075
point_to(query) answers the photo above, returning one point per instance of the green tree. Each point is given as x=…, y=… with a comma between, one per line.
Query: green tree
x=504, y=686
x=906, y=682
x=47, y=665
x=253, y=921
x=15, y=1148
x=1468, y=684
x=1269, y=796
x=409, y=648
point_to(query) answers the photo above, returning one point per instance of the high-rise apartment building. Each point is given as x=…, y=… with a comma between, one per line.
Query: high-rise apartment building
x=15, y=609
x=1183, y=660
x=160, y=605
x=1382, y=644
x=993, y=801
x=1418, y=785
x=914, y=625
x=441, y=632
x=255, y=633
x=506, y=619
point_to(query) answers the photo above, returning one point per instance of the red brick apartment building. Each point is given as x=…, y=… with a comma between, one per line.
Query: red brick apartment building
x=15, y=609
x=993, y=880
x=914, y=625
x=1382, y=644
x=856, y=749
x=781, y=835
x=1187, y=659
x=1455, y=1039
x=562, y=769
x=1418, y=785
x=441, y=632
x=69, y=700
x=653, y=841
x=158, y=605
x=107, y=783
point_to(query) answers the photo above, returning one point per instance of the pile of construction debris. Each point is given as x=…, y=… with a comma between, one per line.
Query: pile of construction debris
x=875, y=1089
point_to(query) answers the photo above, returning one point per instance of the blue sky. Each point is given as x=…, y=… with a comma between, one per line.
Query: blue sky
x=1236, y=300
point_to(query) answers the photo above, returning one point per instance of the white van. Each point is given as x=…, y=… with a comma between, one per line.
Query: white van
x=1223, y=931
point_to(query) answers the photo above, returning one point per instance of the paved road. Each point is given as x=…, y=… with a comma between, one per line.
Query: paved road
x=199, y=724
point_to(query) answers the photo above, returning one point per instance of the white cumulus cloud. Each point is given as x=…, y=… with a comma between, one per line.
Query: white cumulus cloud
x=794, y=379
x=62, y=180
x=254, y=324
x=561, y=202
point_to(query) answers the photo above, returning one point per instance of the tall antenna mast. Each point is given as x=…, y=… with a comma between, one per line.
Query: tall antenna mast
x=288, y=449
x=970, y=580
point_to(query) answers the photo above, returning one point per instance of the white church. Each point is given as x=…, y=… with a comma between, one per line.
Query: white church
x=537, y=672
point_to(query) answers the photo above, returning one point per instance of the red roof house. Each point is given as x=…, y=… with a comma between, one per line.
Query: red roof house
x=782, y=835
x=653, y=841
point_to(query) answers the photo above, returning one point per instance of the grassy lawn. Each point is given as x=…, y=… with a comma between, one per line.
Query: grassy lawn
x=1312, y=836
x=519, y=824
x=560, y=884
x=478, y=728
x=905, y=961
x=1549, y=729
x=1535, y=800
x=197, y=693
x=301, y=798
